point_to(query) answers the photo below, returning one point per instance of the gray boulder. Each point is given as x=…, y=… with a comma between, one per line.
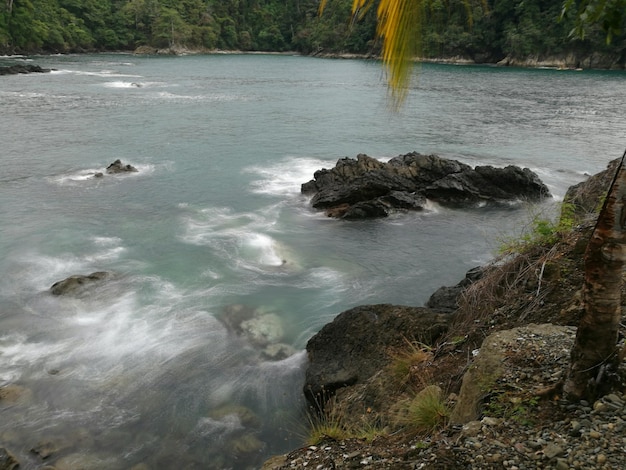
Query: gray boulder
x=355, y=345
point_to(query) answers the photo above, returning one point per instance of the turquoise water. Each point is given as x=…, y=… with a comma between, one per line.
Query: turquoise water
x=142, y=370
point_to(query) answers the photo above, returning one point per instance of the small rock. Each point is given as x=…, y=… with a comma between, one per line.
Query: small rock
x=552, y=450
x=561, y=464
x=471, y=429
x=595, y=434
x=489, y=421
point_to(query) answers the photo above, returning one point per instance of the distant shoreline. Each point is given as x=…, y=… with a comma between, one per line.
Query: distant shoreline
x=592, y=61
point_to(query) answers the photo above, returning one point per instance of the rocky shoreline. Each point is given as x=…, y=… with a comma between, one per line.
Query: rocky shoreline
x=498, y=356
x=493, y=349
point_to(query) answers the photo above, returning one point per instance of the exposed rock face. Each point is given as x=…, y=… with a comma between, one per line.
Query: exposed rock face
x=445, y=299
x=355, y=345
x=20, y=68
x=587, y=196
x=76, y=284
x=366, y=187
x=118, y=167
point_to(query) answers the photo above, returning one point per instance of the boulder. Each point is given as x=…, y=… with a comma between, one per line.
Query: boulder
x=77, y=284
x=586, y=197
x=118, y=167
x=356, y=344
x=366, y=188
x=537, y=354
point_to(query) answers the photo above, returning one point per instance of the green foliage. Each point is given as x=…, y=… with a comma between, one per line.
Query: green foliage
x=426, y=412
x=406, y=362
x=488, y=31
x=543, y=231
x=610, y=15
x=331, y=424
x=512, y=408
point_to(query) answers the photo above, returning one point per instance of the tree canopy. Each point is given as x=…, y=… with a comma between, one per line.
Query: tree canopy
x=484, y=31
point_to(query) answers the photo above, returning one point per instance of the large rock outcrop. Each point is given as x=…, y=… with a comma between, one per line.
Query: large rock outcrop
x=365, y=187
x=356, y=345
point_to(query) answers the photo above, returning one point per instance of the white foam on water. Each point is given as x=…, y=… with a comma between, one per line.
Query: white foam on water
x=101, y=73
x=106, y=241
x=262, y=249
x=165, y=95
x=241, y=239
x=88, y=175
x=218, y=429
x=79, y=176
x=137, y=84
x=259, y=382
x=286, y=176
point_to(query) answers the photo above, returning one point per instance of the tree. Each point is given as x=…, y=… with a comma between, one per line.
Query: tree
x=609, y=14
x=594, y=357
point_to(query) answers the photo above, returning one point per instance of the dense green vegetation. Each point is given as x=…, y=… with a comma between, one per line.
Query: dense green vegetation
x=497, y=29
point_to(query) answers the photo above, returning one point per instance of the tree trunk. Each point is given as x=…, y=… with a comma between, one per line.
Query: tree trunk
x=594, y=356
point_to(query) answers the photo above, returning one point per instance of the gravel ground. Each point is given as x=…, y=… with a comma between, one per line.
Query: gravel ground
x=524, y=424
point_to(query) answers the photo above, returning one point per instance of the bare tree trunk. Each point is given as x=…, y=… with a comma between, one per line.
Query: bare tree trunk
x=594, y=356
x=10, y=5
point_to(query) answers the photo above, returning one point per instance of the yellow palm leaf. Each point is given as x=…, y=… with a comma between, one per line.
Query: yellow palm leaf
x=399, y=27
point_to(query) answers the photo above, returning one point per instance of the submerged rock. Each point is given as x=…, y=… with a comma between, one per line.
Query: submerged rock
x=365, y=187
x=118, y=167
x=76, y=284
x=263, y=329
x=13, y=394
x=277, y=352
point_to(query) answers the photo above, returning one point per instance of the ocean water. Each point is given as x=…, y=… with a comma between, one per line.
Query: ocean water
x=142, y=368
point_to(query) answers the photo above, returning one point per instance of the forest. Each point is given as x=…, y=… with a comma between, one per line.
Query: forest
x=483, y=31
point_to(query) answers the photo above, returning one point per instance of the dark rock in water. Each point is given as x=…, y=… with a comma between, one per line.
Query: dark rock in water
x=446, y=299
x=7, y=460
x=355, y=345
x=118, y=167
x=21, y=68
x=76, y=284
x=98, y=175
x=365, y=187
